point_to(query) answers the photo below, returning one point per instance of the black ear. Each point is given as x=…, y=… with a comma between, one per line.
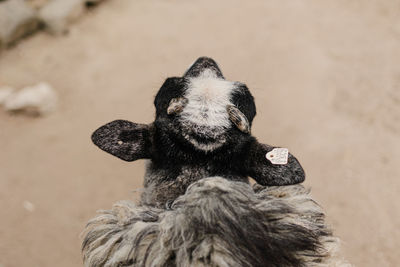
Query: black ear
x=267, y=172
x=124, y=139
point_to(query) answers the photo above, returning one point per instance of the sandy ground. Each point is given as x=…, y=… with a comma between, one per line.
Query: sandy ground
x=325, y=75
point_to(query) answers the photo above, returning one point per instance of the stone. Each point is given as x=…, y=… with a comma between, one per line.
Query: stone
x=17, y=19
x=58, y=14
x=39, y=99
x=29, y=206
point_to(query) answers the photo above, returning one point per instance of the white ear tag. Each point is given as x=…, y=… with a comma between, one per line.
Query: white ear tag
x=278, y=156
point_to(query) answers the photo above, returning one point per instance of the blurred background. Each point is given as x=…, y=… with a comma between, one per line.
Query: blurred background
x=325, y=76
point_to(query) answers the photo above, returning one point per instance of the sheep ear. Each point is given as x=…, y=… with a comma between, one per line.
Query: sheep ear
x=273, y=166
x=124, y=139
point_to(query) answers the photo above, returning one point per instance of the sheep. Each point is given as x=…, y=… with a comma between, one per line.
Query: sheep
x=198, y=207
x=202, y=129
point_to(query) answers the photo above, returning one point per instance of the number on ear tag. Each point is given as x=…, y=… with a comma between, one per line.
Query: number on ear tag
x=278, y=156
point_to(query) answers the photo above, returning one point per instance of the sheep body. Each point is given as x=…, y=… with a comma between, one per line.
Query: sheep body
x=217, y=222
x=197, y=207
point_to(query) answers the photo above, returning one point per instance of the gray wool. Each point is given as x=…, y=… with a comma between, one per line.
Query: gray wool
x=215, y=223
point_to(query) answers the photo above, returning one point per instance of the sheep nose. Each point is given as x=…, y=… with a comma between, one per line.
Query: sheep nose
x=238, y=118
x=201, y=65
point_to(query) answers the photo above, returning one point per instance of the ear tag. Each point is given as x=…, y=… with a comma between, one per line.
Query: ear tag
x=278, y=156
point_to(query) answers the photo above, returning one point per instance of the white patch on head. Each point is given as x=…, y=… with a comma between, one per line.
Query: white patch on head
x=208, y=97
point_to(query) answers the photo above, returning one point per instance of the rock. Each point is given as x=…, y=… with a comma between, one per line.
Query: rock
x=29, y=206
x=58, y=14
x=5, y=92
x=17, y=19
x=35, y=100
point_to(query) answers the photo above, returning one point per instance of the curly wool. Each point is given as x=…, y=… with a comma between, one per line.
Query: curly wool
x=217, y=222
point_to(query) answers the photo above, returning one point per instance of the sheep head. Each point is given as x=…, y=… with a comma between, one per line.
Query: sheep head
x=201, y=119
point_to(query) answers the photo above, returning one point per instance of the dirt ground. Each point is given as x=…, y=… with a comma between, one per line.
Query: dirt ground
x=325, y=76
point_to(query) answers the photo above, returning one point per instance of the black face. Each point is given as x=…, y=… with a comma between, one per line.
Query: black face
x=202, y=110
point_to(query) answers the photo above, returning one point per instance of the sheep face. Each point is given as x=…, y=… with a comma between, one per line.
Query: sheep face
x=203, y=109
